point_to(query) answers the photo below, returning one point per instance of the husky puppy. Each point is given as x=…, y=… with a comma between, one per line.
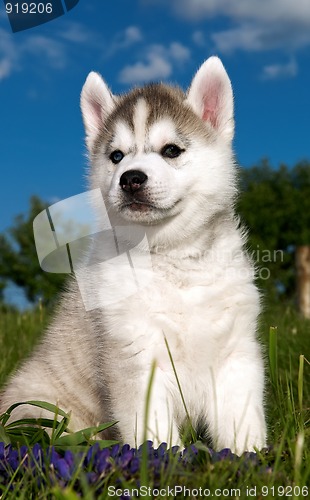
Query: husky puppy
x=163, y=160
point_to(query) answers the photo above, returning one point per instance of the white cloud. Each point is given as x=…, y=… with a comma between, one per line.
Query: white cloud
x=132, y=35
x=53, y=51
x=251, y=36
x=265, y=10
x=199, y=38
x=256, y=25
x=50, y=51
x=76, y=33
x=179, y=52
x=124, y=40
x=5, y=68
x=275, y=71
x=247, y=37
x=156, y=67
x=9, y=57
x=157, y=63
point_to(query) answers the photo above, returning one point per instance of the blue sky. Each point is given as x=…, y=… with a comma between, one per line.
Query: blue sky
x=264, y=44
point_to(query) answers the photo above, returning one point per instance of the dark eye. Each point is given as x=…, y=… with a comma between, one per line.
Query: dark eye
x=171, y=151
x=116, y=156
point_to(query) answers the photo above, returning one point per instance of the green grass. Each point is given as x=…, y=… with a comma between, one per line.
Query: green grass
x=283, y=470
x=287, y=337
x=18, y=334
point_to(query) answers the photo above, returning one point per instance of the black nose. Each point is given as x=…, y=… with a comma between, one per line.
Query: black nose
x=132, y=180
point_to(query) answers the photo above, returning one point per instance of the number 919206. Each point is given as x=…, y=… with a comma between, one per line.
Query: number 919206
x=29, y=8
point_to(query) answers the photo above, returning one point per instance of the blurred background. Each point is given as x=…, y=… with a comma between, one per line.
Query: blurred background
x=264, y=45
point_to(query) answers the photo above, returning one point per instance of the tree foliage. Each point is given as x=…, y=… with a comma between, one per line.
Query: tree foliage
x=275, y=206
x=19, y=262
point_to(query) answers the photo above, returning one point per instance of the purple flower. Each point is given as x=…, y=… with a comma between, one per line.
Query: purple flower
x=227, y=454
x=134, y=465
x=162, y=450
x=102, y=462
x=125, y=449
x=122, y=461
x=92, y=477
x=149, y=447
x=125, y=458
x=2, y=450
x=174, y=450
x=250, y=456
x=92, y=453
x=23, y=450
x=13, y=458
x=63, y=469
x=37, y=452
x=53, y=456
x=69, y=458
x=115, y=450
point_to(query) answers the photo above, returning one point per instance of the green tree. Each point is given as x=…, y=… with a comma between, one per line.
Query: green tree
x=275, y=206
x=19, y=262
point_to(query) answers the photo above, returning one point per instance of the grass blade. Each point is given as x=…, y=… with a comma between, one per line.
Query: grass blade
x=300, y=384
x=273, y=359
x=144, y=461
x=189, y=429
x=4, y=437
x=82, y=436
x=35, y=422
x=39, y=404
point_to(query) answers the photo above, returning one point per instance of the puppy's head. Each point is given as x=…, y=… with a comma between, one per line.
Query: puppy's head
x=160, y=155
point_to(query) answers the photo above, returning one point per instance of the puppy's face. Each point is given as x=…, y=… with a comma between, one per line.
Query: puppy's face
x=154, y=149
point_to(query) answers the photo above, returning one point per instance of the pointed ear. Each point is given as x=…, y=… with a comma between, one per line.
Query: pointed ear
x=97, y=102
x=211, y=98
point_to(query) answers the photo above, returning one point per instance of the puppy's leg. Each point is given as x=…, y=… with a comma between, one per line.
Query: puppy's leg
x=237, y=415
x=133, y=412
x=36, y=380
